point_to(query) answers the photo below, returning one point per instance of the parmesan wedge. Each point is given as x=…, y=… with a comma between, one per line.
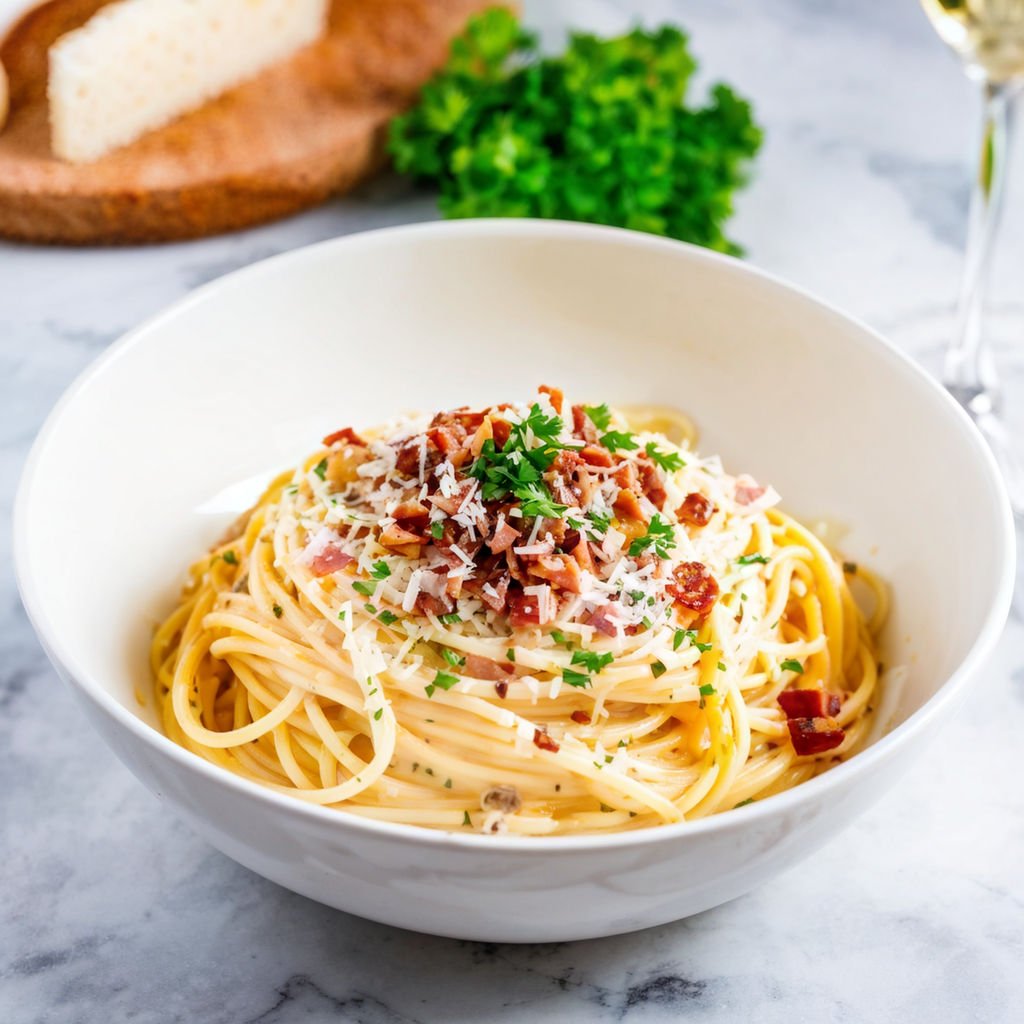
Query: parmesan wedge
x=138, y=64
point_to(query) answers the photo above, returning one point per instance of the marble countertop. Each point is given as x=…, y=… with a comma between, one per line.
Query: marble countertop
x=114, y=912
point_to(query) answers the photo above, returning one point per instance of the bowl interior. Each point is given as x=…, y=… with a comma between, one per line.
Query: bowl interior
x=175, y=431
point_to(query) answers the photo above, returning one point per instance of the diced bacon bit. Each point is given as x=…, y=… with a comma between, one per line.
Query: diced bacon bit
x=693, y=588
x=603, y=621
x=561, y=570
x=445, y=440
x=494, y=595
x=407, y=461
x=484, y=668
x=453, y=586
x=583, y=427
x=504, y=537
x=331, y=559
x=595, y=456
x=748, y=491
x=544, y=741
x=583, y=717
x=555, y=396
x=810, y=703
x=814, y=735
x=452, y=503
x=650, y=483
x=395, y=536
x=582, y=554
x=345, y=434
x=626, y=477
x=696, y=510
x=501, y=689
x=428, y=604
x=628, y=506
x=407, y=512
x=502, y=430
x=530, y=609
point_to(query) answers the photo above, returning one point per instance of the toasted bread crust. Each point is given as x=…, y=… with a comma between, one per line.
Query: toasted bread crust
x=309, y=127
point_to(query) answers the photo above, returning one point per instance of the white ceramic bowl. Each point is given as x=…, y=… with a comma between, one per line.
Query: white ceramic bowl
x=174, y=429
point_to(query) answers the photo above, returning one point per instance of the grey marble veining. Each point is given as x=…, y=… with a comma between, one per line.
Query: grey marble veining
x=113, y=912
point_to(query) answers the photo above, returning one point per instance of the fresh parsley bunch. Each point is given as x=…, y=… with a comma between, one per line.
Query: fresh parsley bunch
x=600, y=134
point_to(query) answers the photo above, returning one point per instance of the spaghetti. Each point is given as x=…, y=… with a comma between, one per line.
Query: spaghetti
x=518, y=620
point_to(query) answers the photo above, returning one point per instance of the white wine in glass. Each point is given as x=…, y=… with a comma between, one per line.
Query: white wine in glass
x=988, y=36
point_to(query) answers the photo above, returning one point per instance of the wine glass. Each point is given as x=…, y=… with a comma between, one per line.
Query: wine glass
x=988, y=36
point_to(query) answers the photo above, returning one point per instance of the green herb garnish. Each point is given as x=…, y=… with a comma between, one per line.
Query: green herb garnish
x=573, y=678
x=603, y=132
x=451, y=657
x=364, y=588
x=511, y=654
x=751, y=559
x=451, y=618
x=600, y=415
x=660, y=535
x=387, y=617
x=321, y=468
x=466, y=820
x=278, y=611
x=658, y=669
x=791, y=665
x=437, y=529
x=377, y=714
x=619, y=440
x=592, y=661
x=230, y=557
x=380, y=570
x=669, y=461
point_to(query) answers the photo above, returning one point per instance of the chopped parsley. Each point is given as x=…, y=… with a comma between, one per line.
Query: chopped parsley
x=321, y=468
x=387, y=617
x=591, y=660
x=451, y=657
x=377, y=714
x=451, y=618
x=600, y=415
x=573, y=678
x=743, y=803
x=751, y=559
x=619, y=440
x=850, y=568
x=371, y=608
x=443, y=680
x=661, y=535
x=466, y=820
x=447, y=783
x=437, y=529
x=278, y=611
x=721, y=666
x=518, y=469
x=705, y=691
x=230, y=557
x=341, y=615
x=669, y=461
x=791, y=665
x=600, y=522
x=511, y=654
x=380, y=570
x=658, y=669
x=560, y=638
x=683, y=635
x=364, y=588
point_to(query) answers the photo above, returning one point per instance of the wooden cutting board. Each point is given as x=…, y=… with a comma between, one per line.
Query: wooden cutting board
x=285, y=140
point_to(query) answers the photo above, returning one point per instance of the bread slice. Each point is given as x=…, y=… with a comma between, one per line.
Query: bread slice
x=138, y=64
x=305, y=128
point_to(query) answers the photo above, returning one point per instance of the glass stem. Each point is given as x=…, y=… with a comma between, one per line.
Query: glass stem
x=968, y=371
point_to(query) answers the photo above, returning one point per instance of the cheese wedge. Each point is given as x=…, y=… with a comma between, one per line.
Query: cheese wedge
x=138, y=64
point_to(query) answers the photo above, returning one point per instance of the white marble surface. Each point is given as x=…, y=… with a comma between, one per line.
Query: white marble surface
x=112, y=912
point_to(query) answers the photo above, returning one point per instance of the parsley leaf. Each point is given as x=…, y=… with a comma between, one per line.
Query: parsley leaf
x=278, y=611
x=451, y=657
x=600, y=415
x=658, y=669
x=669, y=461
x=230, y=557
x=437, y=529
x=445, y=680
x=752, y=559
x=377, y=714
x=380, y=570
x=451, y=618
x=387, y=617
x=619, y=440
x=573, y=678
x=593, y=661
x=364, y=588
x=321, y=468
x=791, y=665
x=660, y=535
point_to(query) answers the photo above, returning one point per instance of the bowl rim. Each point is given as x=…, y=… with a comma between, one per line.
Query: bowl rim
x=882, y=750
